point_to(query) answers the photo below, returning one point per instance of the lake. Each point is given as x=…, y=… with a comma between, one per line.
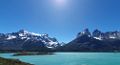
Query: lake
x=69, y=58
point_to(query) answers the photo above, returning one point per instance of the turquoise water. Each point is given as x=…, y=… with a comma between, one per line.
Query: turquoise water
x=70, y=59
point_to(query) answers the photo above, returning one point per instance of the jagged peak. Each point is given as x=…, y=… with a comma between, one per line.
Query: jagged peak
x=84, y=32
x=86, y=29
x=23, y=31
x=97, y=30
x=31, y=33
x=97, y=34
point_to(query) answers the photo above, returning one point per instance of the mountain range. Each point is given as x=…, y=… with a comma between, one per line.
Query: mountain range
x=96, y=41
x=24, y=40
x=85, y=41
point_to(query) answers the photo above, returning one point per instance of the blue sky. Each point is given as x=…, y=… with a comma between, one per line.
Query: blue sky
x=60, y=19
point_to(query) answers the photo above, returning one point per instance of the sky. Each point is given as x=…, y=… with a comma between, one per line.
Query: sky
x=62, y=19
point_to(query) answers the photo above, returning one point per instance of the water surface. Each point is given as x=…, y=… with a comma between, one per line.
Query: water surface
x=70, y=58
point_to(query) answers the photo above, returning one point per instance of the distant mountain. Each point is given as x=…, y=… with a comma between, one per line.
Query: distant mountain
x=96, y=41
x=85, y=41
x=24, y=40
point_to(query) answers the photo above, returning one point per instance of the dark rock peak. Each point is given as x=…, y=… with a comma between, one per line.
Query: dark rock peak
x=97, y=33
x=22, y=30
x=85, y=32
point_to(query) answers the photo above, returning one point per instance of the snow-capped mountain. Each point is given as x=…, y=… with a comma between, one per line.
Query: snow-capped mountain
x=24, y=40
x=96, y=41
x=97, y=34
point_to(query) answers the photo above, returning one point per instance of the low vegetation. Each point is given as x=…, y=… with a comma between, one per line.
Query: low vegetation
x=4, y=61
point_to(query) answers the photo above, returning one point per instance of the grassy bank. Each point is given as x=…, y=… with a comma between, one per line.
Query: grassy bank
x=4, y=61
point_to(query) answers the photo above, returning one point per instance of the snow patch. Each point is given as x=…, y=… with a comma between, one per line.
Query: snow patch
x=21, y=35
x=112, y=37
x=98, y=38
x=11, y=37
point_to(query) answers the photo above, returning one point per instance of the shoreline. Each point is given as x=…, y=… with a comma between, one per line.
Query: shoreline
x=32, y=53
x=5, y=61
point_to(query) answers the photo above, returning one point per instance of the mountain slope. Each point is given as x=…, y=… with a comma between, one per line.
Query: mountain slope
x=24, y=40
x=95, y=42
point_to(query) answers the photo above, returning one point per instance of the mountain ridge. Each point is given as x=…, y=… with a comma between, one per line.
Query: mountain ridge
x=24, y=40
x=96, y=41
x=85, y=41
